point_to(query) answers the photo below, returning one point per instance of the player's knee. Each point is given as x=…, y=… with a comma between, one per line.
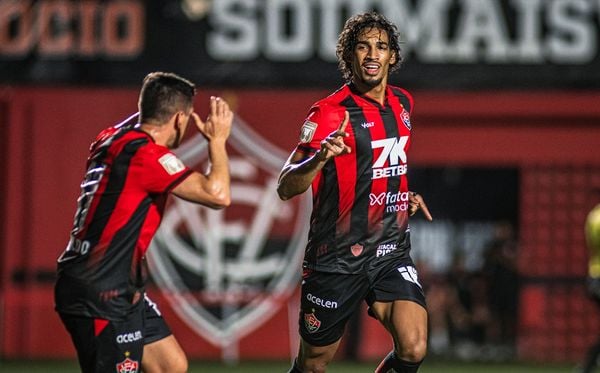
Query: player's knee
x=414, y=351
x=177, y=365
x=315, y=367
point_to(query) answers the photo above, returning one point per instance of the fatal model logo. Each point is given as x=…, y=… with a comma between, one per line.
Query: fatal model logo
x=226, y=272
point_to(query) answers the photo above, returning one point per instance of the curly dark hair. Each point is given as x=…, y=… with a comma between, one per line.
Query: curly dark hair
x=349, y=35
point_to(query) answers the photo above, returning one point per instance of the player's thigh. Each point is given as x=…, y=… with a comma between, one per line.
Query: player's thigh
x=404, y=319
x=164, y=355
x=397, y=300
x=162, y=352
x=310, y=355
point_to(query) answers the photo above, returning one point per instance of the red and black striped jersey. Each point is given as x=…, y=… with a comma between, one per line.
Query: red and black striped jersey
x=360, y=199
x=123, y=195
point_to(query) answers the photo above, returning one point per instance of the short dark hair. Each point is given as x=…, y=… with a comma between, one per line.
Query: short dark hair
x=349, y=37
x=162, y=95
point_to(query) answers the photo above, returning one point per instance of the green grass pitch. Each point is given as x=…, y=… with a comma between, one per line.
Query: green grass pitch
x=282, y=367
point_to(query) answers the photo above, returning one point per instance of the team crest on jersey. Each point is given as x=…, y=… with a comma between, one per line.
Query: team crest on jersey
x=311, y=322
x=128, y=365
x=227, y=272
x=356, y=249
x=307, y=131
x=171, y=163
x=405, y=116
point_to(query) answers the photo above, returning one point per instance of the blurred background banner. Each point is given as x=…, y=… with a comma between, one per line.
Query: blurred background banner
x=448, y=44
x=506, y=144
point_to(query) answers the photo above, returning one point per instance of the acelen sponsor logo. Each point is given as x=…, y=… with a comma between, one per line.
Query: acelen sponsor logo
x=321, y=302
x=129, y=337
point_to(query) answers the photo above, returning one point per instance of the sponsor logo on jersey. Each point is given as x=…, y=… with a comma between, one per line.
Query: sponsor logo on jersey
x=409, y=273
x=311, y=322
x=321, y=302
x=384, y=249
x=405, y=116
x=367, y=124
x=128, y=365
x=394, y=202
x=392, y=157
x=356, y=249
x=171, y=163
x=129, y=337
x=307, y=131
x=227, y=272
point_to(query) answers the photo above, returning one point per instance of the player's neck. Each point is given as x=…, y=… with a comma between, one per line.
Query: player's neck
x=157, y=132
x=376, y=93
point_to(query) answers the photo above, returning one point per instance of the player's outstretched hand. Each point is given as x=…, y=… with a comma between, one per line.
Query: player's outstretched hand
x=333, y=145
x=218, y=123
x=416, y=203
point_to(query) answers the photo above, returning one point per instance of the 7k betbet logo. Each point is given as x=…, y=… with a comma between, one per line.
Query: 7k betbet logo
x=393, y=151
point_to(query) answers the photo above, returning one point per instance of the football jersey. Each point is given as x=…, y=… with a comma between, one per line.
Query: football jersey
x=360, y=199
x=123, y=195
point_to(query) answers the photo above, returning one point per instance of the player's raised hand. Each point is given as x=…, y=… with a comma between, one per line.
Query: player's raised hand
x=218, y=123
x=333, y=145
x=416, y=203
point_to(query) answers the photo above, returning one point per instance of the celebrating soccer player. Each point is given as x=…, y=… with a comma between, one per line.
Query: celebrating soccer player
x=100, y=293
x=353, y=151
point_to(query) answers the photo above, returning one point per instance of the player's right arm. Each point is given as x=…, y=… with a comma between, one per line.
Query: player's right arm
x=300, y=169
x=212, y=189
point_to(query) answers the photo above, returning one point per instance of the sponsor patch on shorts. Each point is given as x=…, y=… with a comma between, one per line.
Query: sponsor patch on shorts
x=171, y=163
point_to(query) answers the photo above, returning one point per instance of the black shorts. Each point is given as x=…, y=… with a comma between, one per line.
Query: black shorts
x=116, y=346
x=329, y=299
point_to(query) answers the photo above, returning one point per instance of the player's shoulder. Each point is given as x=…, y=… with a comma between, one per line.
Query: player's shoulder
x=331, y=107
x=403, y=95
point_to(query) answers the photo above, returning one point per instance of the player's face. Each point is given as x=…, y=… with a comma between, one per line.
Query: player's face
x=372, y=58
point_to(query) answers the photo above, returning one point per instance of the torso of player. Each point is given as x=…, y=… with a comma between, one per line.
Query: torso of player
x=361, y=199
x=103, y=270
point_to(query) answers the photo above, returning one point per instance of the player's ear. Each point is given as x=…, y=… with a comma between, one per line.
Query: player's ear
x=394, y=58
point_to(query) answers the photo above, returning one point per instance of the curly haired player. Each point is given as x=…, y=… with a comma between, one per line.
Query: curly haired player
x=353, y=152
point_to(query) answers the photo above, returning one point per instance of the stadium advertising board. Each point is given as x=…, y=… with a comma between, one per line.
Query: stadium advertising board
x=469, y=44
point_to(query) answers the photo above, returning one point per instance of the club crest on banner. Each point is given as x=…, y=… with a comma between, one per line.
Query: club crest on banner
x=226, y=272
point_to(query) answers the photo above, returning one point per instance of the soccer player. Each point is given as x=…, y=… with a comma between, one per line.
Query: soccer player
x=592, y=237
x=352, y=150
x=131, y=170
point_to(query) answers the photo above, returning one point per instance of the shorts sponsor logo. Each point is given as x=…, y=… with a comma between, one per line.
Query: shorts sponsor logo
x=392, y=158
x=321, y=302
x=394, y=202
x=311, y=322
x=128, y=365
x=129, y=337
x=171, y=163
x=384, y=249
x=409, y=273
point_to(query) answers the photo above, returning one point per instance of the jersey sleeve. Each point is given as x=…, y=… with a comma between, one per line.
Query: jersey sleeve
x=161, y=170
x=319, y=123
